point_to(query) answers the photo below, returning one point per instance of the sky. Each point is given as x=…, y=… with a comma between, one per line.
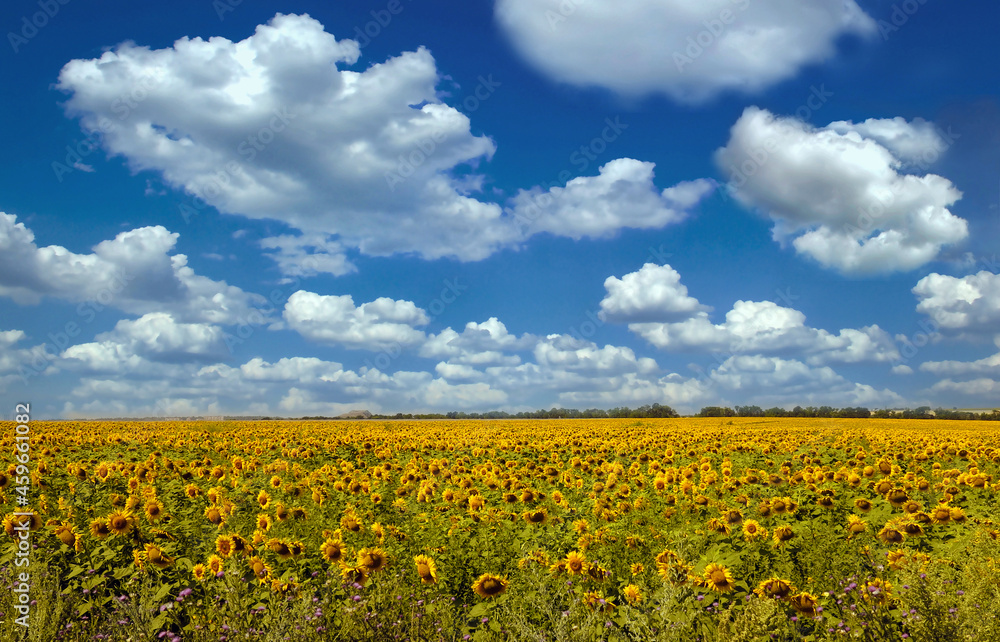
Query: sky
x=301, y=208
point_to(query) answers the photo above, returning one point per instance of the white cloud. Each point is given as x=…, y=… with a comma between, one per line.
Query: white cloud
x=621, y=195
x=278, y=127
x=983, y=387
x=690, y=50
x=133, y=272
x=380, y=324
x=838, y=193
x=775, y=380
x=751, y=327
x=479, y=344
x=970, y=303
x=569, y=354
x=902, y=369
x=987, y=366
x=654, y=293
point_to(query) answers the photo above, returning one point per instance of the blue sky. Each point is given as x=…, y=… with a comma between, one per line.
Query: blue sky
x=295, y=209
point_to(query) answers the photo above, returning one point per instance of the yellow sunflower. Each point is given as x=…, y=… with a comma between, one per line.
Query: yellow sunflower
x=752, y=530
x=426, y=569
x=804, y=603
x=719, y=578
x=633, y=594
x=576, y=563
x=775, y=588
x=199, y=572
x=120, y=522
x=782, y=535
x=371, y=560
x=224, y=546
x=333, y=550
x=156, y=557
x=99, y=528
x=489, y=585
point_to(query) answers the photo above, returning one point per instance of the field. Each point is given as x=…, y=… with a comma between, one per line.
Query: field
x=659, y=529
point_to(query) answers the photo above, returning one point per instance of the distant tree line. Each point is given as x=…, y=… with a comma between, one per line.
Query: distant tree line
x=656, y=410
x=923, y=412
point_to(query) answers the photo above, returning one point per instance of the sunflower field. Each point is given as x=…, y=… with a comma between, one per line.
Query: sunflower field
x=655, y=529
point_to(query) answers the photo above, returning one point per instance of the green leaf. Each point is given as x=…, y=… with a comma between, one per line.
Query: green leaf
x=163, y=592
x=479, y=610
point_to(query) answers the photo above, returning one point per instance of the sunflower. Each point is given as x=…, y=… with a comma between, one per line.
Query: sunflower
x=489, y=585
x=281, y=513
x=855, y=525
x=264, y=499
x=66, y=534
x=260, y=570
x=538, y=517
x=215, y=564
x=911, y=507
x=103, y=472
x=198, y=570
x=913, y=529
x=350, y=523
x=224, y=546
x=719, y=526
x=941, y=514
x=280, y=548
x=276, y=482
x=192, y=491
x=897, y=559
x=782, y=535
x=264, y=522
x=576, y=563
x=426, y=569
x=775, y=588
x=156, y=557
x=214, y=515
x=804, y=603
x=120, y=522
x=752, y=530
x=99, y=528
x=371, y=560
x=862, y=504
x=718, y=578
x=957, y=515
x=354, y=574
x=890, y=535
x=633, y=594
x=877, y=590
x=299, y=513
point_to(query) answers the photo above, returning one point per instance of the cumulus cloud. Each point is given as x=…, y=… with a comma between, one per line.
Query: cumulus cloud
x=380, y=324
x=479, y=344
x=621, y=195
x=278, y=126
x=986, y=366
x=133, y=272
x=654, y=293
x=776, y=380
x=155, y=337
x=970, y=303
x=838, y=192
x=657, y=307
x=690, y=50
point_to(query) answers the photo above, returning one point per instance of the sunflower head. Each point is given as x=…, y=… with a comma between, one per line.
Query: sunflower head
x=775, y=588
x=576, y=563
x=804, y=603
x=489, y=586
x=156, y=557
x=199, y=571
x=215, y=564
x=224, y=546
x=66, y=534
x=371, y=560
x=99, y=528
x=719, y=578
x=426, y=569
x=633, y=594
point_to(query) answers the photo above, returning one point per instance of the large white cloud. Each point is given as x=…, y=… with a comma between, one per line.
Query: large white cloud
x=657, y=307
x=688, y=49
x=654, y=293
x=479, y=344
x=277, y=126
x=839, y=192
x=133, y=272
x=380, y=324
x=987, y=366
x=970, y=303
